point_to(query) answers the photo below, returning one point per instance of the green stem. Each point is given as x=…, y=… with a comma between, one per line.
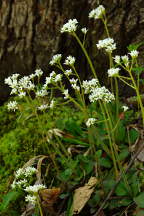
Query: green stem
x=86, y=54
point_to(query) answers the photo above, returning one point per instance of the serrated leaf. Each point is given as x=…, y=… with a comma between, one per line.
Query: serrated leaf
x=139, y=200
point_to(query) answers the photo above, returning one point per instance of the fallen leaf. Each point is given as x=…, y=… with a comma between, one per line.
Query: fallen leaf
x=49, y=196
x=83, y=194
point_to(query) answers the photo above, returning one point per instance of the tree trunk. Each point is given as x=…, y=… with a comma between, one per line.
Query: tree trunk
x=30, y=33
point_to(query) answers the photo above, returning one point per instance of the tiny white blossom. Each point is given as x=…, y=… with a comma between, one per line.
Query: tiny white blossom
x=52, y=74
x=19, y=173
x=125, y=60
x=117, y=59
x=38, y=72
x=134, y=53
x=43, y=107
x=70, y=26
x=35, y=188
x=73, y=81
x=41, y=93
x=58, y=78
x=32, y=76
x=12, y=105
x=97, y=13
x=29, y=171
x=113, y=72
x=84, y=30
x=52, y=103
x=70, y=60
x=90, y=85
x=125, y=108
x=55, y=59
x=31, y=199
x=68, y=72
x=108, y=44
x=101, y=93
x=22, y=94
x=90, y=122
x=19, y=184
x=76, y=87
x=66, y=94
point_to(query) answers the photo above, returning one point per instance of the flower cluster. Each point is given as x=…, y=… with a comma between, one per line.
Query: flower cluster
x=21, y=181
x=70, y=26
x=35, y=188
x=101, y=93
x=90, y=122
x=97, y=13
x=108, y=44
x=113, y=72
x=12, y=105
x=134, y=53
x=55, y=59
x=88, y=86
x=70, y=60
x=21, y=176
x=84, y=30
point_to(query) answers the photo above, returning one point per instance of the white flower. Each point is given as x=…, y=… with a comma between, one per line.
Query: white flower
x=29, y=171
x=117, y=59
x=58, y=78
x=31, y=199
x=32, y=76
x=101, y=94
x=125, y=60
x=97, y=13
x=108, y=44
x=55, y=59
x=41, y=93
x=84, y=30
x=38, y=72
x=52, y=103
x=134, y=53
x=73, y=81
x=125, y=108
x=12, y=105
x=19, y=173
x=25, y=83
x=90, y=85
x=43, y=107
x=19, y=184
x=76, y=87
x=12, y=82
x=35, y=188
x=22, y=94
x=70, y=60
x=90, y=122
x=66, y=94
x=113, y=72
x=68, y=72
x=70, y=26
x=52, y=74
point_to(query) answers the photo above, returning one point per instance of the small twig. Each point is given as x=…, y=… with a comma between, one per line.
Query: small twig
x=121, y=175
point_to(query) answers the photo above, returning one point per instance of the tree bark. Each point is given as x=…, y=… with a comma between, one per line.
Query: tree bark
x=30, y=33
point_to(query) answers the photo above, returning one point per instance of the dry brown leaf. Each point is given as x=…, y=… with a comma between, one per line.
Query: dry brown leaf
x=83, y=194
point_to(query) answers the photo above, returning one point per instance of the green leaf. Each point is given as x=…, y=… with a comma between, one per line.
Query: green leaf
x=124, y=154
x=105, y=162
x=133, y=135
x=10, y=196
x=135, y=46
x=65, y=176
x=75, y=141
x=121, y=190
x=139, y=200
x=138, y=70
